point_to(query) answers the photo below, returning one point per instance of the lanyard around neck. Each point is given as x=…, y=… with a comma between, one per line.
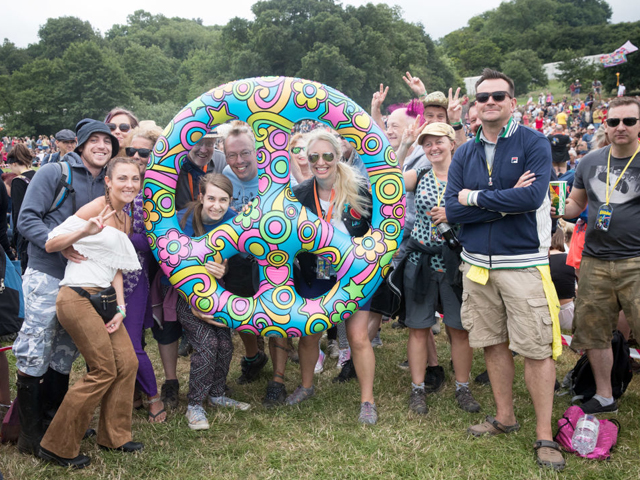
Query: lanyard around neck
x=440, y=194
x=319, y=208
x=607, y=191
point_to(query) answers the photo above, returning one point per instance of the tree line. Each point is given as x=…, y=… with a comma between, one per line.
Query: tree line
x=154, y=65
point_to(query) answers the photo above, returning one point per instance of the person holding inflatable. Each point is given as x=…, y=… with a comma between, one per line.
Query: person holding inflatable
x=340, y=196
x=211, y=341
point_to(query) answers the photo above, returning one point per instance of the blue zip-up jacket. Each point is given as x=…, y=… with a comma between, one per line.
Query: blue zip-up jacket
x=504, y=227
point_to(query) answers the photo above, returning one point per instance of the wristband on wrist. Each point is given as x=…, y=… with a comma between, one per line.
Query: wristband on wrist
x=122, y=311
x=453, y=124
x=456, y=127
x=422, y=95
x=468, y=196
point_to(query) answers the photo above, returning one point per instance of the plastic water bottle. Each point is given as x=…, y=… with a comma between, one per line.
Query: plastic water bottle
x=585, y=436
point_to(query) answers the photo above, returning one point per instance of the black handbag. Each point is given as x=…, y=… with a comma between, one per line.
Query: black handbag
x=105, y=301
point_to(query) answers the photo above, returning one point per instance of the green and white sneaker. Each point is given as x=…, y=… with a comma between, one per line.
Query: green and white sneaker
x=229, y=403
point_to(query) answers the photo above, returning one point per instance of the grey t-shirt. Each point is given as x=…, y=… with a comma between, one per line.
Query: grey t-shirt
x=623, y=238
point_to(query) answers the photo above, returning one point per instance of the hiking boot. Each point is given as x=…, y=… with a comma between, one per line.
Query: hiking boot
x=483, y=378
x=227, y=402
x=184, y=349
x=300, y=395
x=418, y=401
x=251, y=370
x=169, y=393
x=276, y=395
x=434, y=379
x=404, y=365
x=197, y=417
x=594, y=407
x=466, y=401
x=368, y=413
x=347, y=373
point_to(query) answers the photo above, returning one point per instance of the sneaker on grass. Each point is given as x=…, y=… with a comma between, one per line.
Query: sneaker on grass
x=276, y=395
x=197, y=417
x=368, y=413
x=227, y=402
x=319, y=368
x=332, y=349
x=594, y=407
x=300, y=395
x=343, y=357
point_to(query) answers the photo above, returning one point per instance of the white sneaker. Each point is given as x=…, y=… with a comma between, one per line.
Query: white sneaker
x=320, y=363
x=332, y=349
x=229, y=403
x=343, y=357
x=197, y=417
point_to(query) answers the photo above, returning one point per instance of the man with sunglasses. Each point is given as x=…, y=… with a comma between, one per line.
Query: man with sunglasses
x=203, y=158
x=607, y=181
x=498, y=190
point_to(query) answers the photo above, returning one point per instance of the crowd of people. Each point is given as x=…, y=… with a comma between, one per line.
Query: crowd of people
x=482, y=249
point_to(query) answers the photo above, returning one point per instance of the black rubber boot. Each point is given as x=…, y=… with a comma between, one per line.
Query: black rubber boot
x=55, y=388
x=30, y=397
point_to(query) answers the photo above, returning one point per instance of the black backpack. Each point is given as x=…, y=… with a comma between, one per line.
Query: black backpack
x=583, y=384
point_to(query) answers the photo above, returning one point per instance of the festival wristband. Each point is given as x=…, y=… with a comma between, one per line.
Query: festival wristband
x=453, y=124
x=423, y=95
x=121, y=311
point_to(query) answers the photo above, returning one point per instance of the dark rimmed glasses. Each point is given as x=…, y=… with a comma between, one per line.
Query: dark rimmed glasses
x=499, y=96
x=628, y=121
x=143, y=152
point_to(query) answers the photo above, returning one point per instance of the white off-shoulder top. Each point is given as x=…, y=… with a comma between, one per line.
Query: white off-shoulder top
x=106, y=253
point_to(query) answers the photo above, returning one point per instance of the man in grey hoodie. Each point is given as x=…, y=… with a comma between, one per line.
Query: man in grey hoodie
x=44, y=351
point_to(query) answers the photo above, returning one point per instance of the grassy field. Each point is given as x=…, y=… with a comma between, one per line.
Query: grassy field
x=322, y=439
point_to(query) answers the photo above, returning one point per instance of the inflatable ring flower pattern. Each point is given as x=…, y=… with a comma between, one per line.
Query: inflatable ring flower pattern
x=276, y=227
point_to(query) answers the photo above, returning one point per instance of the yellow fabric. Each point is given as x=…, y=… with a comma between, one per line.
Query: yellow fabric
x=554, y=309
x=478, y=274
x=481, y=275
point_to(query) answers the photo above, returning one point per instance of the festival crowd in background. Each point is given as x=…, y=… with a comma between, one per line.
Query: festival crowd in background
x=484, y=253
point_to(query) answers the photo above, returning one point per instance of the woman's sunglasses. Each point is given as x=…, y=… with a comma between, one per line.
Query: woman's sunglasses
x=483, y=97
x=143, y=152
x=297, y=150
x=628, y=121
x=124, y=127
x=327, y=157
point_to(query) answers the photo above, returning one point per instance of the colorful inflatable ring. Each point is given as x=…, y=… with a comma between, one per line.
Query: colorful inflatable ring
x=277, y=226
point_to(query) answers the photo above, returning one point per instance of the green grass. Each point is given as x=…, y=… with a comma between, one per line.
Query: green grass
x=322, y=439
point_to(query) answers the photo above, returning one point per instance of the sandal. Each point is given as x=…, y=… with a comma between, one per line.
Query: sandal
x=492, y=427
x=549, y=455
x=153, y=418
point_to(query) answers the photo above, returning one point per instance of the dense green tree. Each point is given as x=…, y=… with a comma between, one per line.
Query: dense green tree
x=525, y=69
x=12, y=58
x=59, y=33
x=152, y=73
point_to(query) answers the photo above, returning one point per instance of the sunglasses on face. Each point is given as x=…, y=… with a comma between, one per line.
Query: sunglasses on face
x=497, y=96
x=628, y=121
x=143, y=152
x=297, y=150
x=327, y=157
x=124, y=127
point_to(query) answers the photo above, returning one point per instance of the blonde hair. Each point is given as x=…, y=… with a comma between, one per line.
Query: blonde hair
x=147, y=130
x=348, y=183
x=295, y=139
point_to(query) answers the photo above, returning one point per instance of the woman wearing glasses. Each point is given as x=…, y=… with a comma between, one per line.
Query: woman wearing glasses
x=136, y=284
x=120, y=121
x=297, y=152
x=340, y=196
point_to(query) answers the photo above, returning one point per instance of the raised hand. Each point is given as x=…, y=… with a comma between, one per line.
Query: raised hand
x=96, y=224
x=455, y=107
x=415, y=84
x=379, y=98
x=410, y=134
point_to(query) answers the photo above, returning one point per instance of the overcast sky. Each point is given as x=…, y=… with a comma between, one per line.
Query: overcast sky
x=20, y=20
